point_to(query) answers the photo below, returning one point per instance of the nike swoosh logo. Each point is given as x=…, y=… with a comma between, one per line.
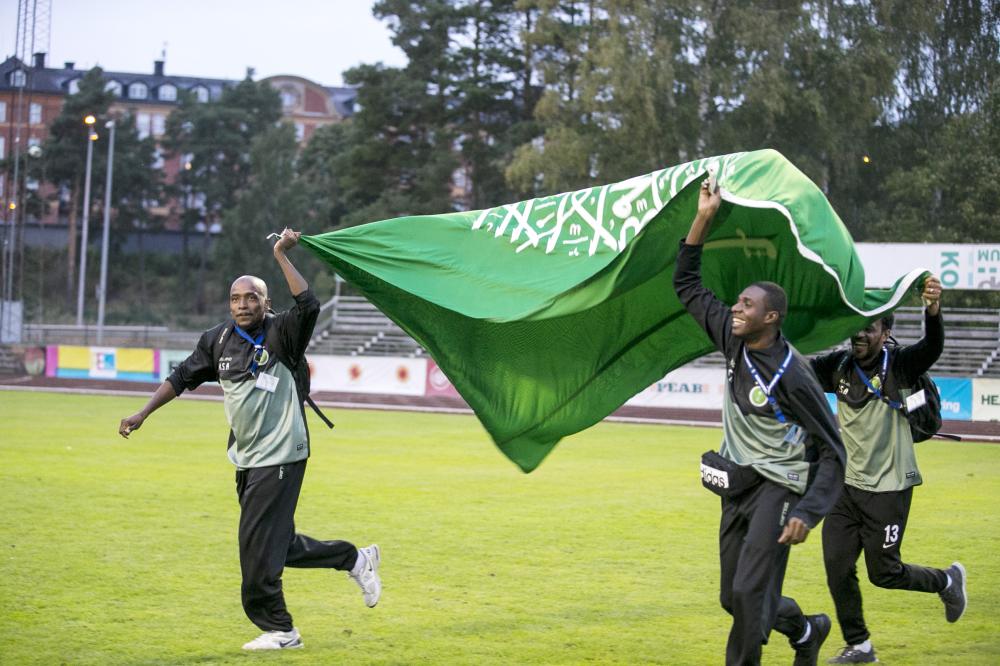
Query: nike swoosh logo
x=888, y=545
x=285, y=644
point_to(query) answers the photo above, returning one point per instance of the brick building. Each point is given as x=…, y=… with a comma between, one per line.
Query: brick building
x=32, y=95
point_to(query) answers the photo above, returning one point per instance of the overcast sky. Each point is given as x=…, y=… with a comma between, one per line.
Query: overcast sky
x=213, y=38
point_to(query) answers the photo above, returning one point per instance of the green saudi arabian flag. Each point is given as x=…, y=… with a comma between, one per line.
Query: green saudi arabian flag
x=548, y=314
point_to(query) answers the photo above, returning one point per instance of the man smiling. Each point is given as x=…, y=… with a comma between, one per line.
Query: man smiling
x=255, y=357
x=872, y=382
x=780, y=467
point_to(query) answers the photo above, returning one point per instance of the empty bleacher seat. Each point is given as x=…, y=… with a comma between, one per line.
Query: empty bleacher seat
x=351, y=326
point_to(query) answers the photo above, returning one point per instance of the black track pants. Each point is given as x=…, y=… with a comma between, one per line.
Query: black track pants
x=753, y=569
x=268, y=542
x=874, y=523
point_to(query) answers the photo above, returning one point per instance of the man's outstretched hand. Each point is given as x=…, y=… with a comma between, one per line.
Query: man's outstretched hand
x=130, y=424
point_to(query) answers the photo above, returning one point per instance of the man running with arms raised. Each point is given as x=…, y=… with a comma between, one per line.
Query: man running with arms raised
x=872, y=381
x=782, y=455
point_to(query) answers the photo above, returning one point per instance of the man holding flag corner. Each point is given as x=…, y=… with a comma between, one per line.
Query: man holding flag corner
x=781, y=463
x=255, y=356
x=876, y=383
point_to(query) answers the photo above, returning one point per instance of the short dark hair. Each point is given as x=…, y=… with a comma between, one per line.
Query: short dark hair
x=888, y=321
x=775, y=299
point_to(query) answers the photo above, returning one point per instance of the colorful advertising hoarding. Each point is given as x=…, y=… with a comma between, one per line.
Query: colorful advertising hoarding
x=76, y=362
x=369, y=374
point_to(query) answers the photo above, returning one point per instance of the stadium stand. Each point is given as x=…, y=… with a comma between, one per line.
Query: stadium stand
x=971, y=346
x=351, y=326
x=972, y=340
x=114, y=336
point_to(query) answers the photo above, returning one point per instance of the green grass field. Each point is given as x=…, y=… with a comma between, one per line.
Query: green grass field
x=124, y=552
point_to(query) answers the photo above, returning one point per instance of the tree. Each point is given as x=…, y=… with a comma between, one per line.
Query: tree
x=64, y=155
x=273, y=198
x=397, y=158
x=493, y=94
x=215, y=139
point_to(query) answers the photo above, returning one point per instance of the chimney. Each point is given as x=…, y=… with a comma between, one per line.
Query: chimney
x=69, y=64
x=40, y=60
x=158, y=67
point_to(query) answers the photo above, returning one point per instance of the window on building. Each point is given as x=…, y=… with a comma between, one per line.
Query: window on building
x=167, y=93
x=34, y=141
x=114, y=87
x=158, y=160
x=35, y=114
x=74, y=86
x=200, y=93
x=138, y=91
x=3, y=112
x=3, y=149
x=159, y=124
x=289, y=98
x=18, y=78
x=300, y=131
x=142, y=124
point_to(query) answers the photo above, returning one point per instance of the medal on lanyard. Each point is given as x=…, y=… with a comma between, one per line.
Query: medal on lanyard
x=870, y=383
x=260, y=355
x=761, y=393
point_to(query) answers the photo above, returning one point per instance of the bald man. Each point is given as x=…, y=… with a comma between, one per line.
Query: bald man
x=254, y=357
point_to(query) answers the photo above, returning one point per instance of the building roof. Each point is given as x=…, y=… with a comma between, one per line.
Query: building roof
x=58, y=81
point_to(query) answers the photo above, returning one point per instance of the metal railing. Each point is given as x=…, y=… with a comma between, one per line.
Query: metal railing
x=114, y=336
x=352, y=326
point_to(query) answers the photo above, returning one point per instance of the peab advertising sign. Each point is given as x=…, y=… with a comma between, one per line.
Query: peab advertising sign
x=696, y=388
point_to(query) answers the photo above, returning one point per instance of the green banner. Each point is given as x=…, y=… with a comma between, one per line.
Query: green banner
x=548, y=314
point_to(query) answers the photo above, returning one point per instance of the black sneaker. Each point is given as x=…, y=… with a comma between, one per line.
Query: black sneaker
x=852, y=655
x=807, y=654
x=954, y=598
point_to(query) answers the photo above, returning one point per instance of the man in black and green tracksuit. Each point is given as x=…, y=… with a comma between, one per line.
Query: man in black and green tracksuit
x=779, y=434
x=872, y=381
x=255, y=357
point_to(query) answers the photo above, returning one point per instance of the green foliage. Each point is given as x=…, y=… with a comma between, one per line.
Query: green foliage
x=64, y=153
x=214, y=140
x=633, y=86
x=397, y=158
x=124, y=551
x=891, y=107
x=272, y=200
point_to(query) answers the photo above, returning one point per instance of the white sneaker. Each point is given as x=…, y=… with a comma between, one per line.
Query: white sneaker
x=276, y=640
x=367, y=579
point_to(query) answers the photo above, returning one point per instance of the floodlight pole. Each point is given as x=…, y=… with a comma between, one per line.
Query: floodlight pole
x=102, y=289
x=81, y=284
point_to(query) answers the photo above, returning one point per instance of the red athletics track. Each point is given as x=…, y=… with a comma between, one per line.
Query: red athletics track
x=981, y=431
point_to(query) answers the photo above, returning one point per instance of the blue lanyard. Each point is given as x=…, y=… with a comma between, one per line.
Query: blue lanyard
x=767, y=388
x=882, y=375
x=258, y=345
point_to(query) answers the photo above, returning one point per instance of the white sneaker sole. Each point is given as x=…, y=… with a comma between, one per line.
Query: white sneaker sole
x=375, y=562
